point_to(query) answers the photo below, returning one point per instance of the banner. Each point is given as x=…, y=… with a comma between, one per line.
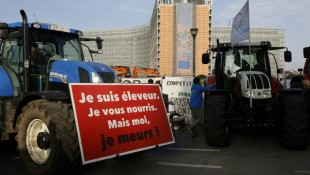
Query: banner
x=183, y=55
x=241, y=25
x=179, y=92
x=119, y=119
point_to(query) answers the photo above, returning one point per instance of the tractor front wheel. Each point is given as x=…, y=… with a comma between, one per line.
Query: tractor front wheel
x=295, y=122
x=216, y=128
x=47, y=137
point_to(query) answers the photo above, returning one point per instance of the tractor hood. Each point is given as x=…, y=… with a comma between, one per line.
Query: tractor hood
x=261, y=88
x=80, y=72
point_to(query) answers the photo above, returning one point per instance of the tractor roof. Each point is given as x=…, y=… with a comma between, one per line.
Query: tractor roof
x=246, y=44
x=45, y=26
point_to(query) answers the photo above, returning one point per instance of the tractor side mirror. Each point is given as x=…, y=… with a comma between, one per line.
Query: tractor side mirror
x=205, y=58
x=99, y=42
x=287, y=56
x=4, y=32
x=307, y=52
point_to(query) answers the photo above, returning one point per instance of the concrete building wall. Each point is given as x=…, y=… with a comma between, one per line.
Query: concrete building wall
x=121, y=47
x=153, y=59
x=166, y=40
x=202, y=38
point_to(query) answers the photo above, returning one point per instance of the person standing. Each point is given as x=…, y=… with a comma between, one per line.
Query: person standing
x=195, y=104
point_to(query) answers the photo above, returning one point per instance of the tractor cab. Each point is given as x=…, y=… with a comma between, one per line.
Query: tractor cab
x=245, y=65
x=46, y=46
x=47, y=43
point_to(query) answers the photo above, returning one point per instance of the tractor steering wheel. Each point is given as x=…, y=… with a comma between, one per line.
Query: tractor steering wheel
x=43, y=56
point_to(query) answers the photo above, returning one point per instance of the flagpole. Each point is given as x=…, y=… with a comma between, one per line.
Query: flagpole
x=250, y=56
x=240, y=31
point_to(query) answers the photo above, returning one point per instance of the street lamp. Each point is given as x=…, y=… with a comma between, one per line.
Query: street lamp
x=194, y=32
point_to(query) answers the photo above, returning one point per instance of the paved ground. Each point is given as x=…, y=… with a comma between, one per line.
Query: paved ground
x=249, y=153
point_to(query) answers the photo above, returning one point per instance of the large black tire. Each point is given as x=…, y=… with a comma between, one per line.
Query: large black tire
x=62, y=153
x=216, y=128
x=296, y=84
x=295, y=122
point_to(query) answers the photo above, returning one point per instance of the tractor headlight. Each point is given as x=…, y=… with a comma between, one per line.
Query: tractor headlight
x=35, y=25
x=248, y=93
x=95, y=78
x=79, y=33
x=267, y=93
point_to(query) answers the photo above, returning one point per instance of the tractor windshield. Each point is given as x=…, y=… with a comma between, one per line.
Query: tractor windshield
x=62, y=46
x=51, y=45
x=239, y=59
x=45, y=47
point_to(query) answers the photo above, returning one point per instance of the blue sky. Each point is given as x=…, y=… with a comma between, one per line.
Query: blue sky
x=104, y=14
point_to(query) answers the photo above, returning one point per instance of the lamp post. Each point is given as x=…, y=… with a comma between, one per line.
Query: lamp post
x=194, y=32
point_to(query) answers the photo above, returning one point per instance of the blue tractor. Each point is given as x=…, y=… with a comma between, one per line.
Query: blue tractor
x=37, y=63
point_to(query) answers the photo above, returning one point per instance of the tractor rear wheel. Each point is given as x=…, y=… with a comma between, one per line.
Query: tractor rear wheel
x=47, y=137
x=295, y=122
x=216, y=128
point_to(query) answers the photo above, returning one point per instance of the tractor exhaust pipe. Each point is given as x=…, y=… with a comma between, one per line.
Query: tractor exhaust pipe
x=26, y=52
x=218, y=75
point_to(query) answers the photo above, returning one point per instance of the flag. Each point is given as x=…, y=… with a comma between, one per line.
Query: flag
x=184, y=64
x=240, y=29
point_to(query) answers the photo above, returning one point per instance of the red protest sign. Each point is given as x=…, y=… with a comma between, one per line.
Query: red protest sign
x=119, y=118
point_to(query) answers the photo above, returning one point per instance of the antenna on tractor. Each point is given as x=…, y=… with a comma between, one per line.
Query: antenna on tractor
x=35, y=18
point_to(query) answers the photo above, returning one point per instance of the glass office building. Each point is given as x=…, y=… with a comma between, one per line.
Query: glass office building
x=165, y=43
